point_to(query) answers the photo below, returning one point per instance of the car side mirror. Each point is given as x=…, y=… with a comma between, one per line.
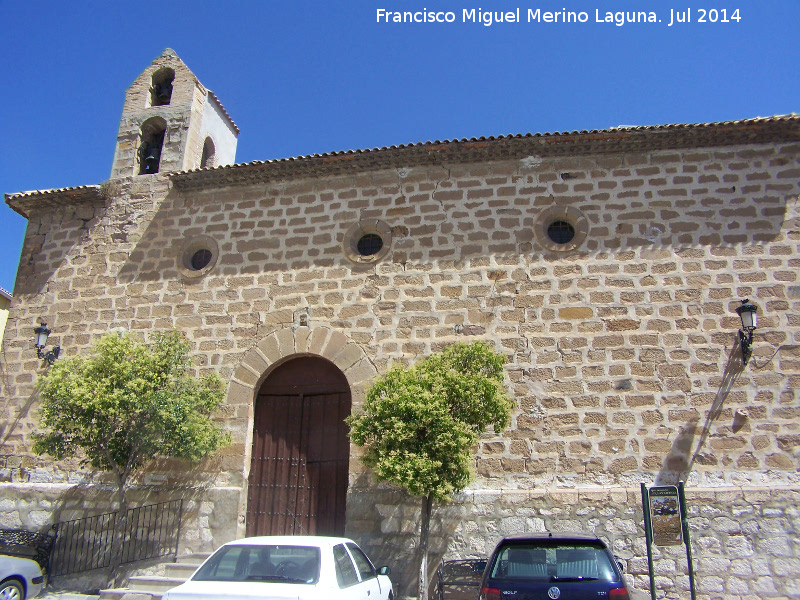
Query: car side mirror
x=479, y=566
x=384, y=571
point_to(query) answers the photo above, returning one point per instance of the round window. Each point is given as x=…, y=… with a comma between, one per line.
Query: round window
x=561, y=228
x=367, y=241
x=200, y=259
x=369, y=244
x=198, y=256
x=561, y=232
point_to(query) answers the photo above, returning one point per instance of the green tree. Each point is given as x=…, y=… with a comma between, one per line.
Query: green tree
x=125, y=404
x=419, y=425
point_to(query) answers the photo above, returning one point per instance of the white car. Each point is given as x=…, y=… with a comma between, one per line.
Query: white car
x=287, y=567
x=20, y=578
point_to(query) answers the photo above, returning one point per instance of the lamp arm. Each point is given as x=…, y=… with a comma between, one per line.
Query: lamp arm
x=746, y=341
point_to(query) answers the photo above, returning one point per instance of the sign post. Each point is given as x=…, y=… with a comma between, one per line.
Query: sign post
x=666, y=524
x=648, y=533
x=686, y=540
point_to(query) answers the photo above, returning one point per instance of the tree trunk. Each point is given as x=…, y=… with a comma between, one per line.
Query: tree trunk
x=115, y=577
x=427, y=505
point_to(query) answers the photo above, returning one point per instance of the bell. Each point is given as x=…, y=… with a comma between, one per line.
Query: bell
x=151, y=161
x=163, y=92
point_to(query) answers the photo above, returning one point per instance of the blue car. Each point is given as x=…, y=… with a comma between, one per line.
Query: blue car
x=552, y=566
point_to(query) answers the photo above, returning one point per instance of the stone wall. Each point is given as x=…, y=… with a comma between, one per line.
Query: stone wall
x=208, y=513
x=623, y=354
x=744, y=542
x=37, y=506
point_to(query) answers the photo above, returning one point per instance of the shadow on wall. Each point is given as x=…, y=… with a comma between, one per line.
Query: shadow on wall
x=97, y=496
x=273, y=231
x=8, y=426
x=90, y=499
x=5, y=381
x=680, y=460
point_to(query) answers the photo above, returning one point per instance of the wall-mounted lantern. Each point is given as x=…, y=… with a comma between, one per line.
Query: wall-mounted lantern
x=41, y=341
x=747, y=313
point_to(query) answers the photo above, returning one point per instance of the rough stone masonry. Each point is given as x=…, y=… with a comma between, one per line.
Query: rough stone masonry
x=623, y=353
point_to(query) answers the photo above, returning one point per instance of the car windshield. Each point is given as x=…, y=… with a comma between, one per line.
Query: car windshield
x=271, y=563
x=553, y=562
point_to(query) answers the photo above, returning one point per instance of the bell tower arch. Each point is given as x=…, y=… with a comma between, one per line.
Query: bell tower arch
x=167, y=118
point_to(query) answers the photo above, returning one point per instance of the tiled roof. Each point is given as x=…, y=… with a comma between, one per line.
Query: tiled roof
x=19, y=201
x=5, y=293
x=447, y=152
x=615, y=139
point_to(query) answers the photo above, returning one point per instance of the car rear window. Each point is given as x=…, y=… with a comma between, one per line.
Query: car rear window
x=272, y=563
x=552, y=562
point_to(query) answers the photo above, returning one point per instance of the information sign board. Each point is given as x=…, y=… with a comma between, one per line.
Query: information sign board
x=665, y=516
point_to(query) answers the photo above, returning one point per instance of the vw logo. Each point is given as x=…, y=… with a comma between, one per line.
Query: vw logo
x=554, y=593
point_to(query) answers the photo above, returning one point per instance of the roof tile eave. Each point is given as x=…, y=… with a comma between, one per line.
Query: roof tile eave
x=76, y=193
x=566, y=135
x=613, y=135
x=53, y=191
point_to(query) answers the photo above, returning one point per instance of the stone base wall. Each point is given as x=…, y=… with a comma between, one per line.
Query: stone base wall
x=209, y=517
x=744, y=541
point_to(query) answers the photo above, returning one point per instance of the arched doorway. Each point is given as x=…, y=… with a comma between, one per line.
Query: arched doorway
x=300, y=459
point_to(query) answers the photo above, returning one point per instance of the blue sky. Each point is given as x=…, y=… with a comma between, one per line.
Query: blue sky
x=309, y=77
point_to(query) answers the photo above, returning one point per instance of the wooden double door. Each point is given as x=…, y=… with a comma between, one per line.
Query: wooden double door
x=300, y=456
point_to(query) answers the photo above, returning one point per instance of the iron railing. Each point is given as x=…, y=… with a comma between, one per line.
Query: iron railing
x=459, y=577
x=85, y=544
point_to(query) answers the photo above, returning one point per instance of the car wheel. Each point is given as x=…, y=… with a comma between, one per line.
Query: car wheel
x=11, y=589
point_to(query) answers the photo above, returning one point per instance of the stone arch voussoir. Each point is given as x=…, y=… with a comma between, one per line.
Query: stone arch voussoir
x=283, y=344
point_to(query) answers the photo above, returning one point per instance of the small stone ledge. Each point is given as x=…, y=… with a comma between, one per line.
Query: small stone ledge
x=602, y=494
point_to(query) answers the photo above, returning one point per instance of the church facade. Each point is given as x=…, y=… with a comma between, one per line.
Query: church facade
x=606, y=265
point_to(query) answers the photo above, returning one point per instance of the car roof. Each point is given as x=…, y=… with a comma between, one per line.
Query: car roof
x=549, y=535
x=290, y=540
